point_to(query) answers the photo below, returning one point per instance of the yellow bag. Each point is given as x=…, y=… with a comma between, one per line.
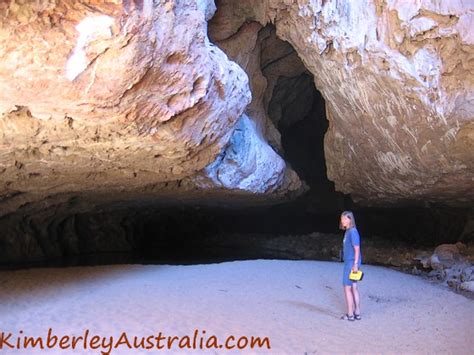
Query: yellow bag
x=356, y=276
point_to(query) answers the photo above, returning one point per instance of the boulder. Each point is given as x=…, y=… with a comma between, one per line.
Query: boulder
x=445, y=256
x=467, y=286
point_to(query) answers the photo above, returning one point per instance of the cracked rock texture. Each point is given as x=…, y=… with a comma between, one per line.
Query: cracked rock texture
x=118, y=100
x=129, y=100
x=397, y=78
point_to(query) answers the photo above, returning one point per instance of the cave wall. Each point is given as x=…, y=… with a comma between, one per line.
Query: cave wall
x=203, y=234
x=116, y=100
x=125, y=96
x=397, y=78
x=112, y=105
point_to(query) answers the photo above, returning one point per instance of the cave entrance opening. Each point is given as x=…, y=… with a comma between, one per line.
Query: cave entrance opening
x=296, y=109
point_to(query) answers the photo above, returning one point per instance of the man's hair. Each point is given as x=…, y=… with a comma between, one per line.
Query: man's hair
x=349, y=215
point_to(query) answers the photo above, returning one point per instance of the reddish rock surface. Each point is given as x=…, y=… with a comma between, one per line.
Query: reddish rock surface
x=131, y=97
x=112, y=97
x=398, y=82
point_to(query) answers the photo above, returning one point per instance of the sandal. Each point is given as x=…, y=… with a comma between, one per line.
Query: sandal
x=348, y=317
x=357, y=316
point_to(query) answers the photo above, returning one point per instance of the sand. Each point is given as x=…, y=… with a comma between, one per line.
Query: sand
x=296, y=304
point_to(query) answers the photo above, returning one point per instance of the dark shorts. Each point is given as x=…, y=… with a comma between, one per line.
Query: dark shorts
x=347, y=270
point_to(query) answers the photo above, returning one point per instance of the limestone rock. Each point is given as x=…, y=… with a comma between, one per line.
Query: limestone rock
x=131, y=97
x=455, y=274
x=467, y=286
x=439, y=274
x=424, y=259
x=247, y=163
x=398, y=82
x=445, y=256
x=467, y=274
x=101, y=98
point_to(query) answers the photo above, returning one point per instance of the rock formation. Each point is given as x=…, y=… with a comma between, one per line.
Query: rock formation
x=116, y=96
x=109, y=98
x=398, y=82
x=106, y=105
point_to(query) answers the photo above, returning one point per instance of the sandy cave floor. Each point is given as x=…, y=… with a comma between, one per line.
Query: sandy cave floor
x=296, y=304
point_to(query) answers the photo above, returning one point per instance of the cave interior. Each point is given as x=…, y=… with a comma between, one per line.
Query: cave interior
x=174, y=232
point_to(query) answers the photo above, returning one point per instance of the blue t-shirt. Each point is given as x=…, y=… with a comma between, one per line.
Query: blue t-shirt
x=351, y=239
